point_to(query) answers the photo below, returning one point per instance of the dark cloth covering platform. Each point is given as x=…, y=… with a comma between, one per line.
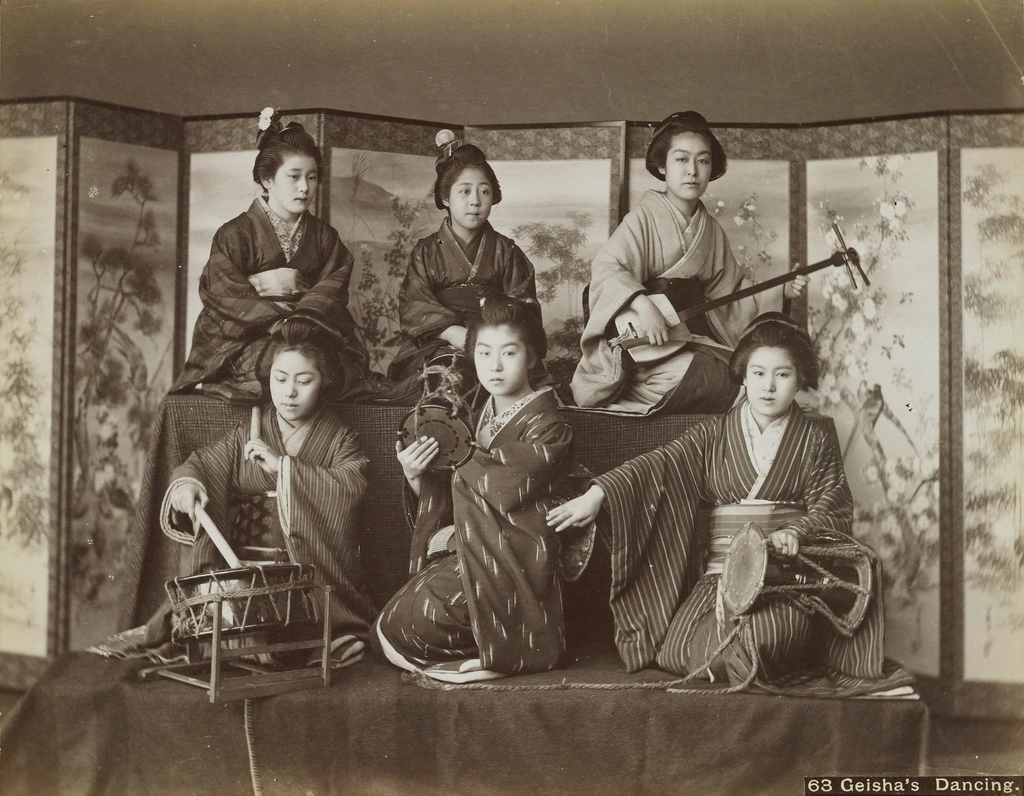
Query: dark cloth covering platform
x=91, y=726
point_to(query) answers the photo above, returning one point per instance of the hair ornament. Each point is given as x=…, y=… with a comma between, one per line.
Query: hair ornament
x=269, y=124
x=447, y=142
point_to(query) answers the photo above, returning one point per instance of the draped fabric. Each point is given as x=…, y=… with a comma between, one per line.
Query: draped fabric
x=497, y=594
x=658, y=595
x=443, y=288
x=318, y=494
x=654, y=240
x=235, y=323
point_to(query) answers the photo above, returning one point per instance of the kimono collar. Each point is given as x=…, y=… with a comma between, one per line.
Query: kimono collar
x=696, y=239
x=476, y=247
x=289, y=236
x=762, y=446
x=489, y=426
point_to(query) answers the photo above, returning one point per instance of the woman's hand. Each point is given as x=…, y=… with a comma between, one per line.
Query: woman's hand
x=796, y=288
x=578, y=512
x=415, y=460
x=455, y=336
x=256, y=450
x=786, y=543
x=651, y=323
x=184, y=498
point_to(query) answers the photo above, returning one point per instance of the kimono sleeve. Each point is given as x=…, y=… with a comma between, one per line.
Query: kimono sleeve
x=517, y=473
x=827, y=495
x=420, y=312
x=620, y=268
x=224, y=287
x=331, y=289
x=520, y=280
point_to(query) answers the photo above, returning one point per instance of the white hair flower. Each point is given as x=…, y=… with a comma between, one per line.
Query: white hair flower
x=266, y=117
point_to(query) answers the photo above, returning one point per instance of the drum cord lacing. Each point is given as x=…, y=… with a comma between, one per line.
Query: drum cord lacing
x=243, y=593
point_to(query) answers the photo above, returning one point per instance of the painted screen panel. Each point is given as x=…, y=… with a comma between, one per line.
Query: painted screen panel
x=556, y=211
x=992, y=213
x=124, y=342
x=381, y=204
x=879, y=351
x=28, y=211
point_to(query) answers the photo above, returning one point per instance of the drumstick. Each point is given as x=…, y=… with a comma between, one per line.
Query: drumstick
x=217, y=537
x=254, y=424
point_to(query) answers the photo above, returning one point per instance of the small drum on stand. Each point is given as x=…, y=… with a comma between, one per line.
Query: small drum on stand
x=834, y=579
x=250, y=600
x=454, y=436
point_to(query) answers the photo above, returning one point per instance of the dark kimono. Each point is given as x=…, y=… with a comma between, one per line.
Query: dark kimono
x=495, y=592
x=312, y=517
x=235, y=323
x=663, y=601
x=443, y=288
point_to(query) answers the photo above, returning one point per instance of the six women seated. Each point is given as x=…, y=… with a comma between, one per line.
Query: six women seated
x=490, y=537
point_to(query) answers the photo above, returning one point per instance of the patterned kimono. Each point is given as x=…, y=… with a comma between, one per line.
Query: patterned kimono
x=653, y=241
x=310, y=512
x=443, y=288
x=235, y=323
x=665, y=608
x=494, y=591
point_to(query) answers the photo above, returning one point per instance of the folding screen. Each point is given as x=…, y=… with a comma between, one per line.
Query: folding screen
x=986, y=619
x=921, y=368
x=882, y=349
x=33, y=152
x=123, y=263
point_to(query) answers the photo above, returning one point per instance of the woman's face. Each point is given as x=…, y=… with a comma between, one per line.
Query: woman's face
x=469, y=202
x=687, y=170
x=772, y=382
x=291, y=191
x=502, y=363
x=295, y=382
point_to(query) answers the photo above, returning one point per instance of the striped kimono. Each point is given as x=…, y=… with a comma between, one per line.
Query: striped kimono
x=494, y=592
x=310, y=511
x=664, y=599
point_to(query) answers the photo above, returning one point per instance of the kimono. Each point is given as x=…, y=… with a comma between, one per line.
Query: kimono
x=493, y=592
x=654, y=241
x=234, y=326
x=664, y=600
x=312, y=517
x=443, y=287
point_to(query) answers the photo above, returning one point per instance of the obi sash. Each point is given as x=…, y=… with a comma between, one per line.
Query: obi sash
x=728, y=520
x=256, y=530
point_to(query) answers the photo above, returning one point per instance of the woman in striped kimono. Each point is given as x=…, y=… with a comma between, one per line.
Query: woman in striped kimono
x=285, y=491
x=485, y=598
x=763, y=461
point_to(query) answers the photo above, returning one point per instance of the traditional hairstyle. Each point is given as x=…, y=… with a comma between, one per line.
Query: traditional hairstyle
x=277, y=143
x=683, y=122
x=450, y=166
x=309, y=339
x=523, y=318
x=775, y=330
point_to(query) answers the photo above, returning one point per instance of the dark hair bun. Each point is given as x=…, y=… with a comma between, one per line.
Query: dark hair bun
x=670, y=127
x=449, y=168
x=776, y=330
